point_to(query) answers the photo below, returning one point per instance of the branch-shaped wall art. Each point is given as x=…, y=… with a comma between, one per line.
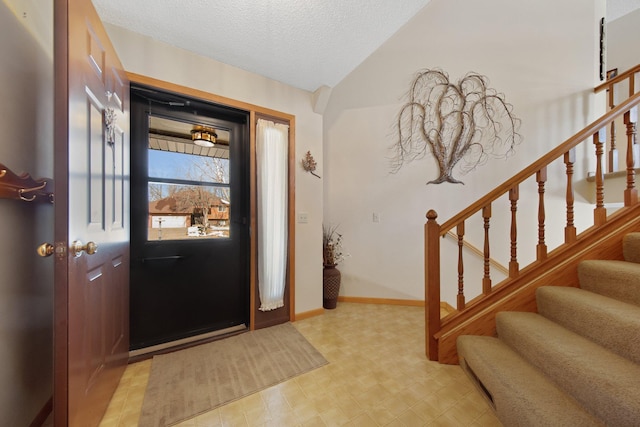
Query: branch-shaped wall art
x=465, y=121
x=309, y=164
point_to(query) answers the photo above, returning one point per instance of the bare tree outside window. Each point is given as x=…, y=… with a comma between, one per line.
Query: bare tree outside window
x=212, y=169
x=155, y=192
x=189, y=196
x=465, y=122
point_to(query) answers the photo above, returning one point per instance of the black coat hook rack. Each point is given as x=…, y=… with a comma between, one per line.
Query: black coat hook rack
x=23, y=187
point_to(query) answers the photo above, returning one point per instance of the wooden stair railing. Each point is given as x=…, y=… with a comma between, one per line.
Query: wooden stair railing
x=459, y=238
x=628, y=78
x=566, y=152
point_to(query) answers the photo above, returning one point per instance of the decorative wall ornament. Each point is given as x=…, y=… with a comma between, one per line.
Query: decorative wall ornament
x=309, y=164
x=465, y=121
x=110, y=119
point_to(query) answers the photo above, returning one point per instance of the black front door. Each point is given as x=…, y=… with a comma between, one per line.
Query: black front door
x=189, y=218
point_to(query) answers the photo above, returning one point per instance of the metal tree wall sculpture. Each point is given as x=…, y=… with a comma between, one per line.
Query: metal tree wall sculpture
x=465, y=121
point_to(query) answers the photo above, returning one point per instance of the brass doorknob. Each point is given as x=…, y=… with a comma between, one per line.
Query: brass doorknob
x=45, y=250
x=77, y=247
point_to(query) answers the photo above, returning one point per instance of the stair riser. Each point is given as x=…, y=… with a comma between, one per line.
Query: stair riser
x=609, y=323
x=601, y=381
x=615, y=279
x=520, y=394
x=631, y=247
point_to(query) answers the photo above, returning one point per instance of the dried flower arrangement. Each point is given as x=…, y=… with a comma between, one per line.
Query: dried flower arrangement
x=331, y=246
x=309, y=164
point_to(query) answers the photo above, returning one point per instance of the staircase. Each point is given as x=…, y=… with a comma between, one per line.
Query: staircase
x=556, y=342
x=592, y=228
x=576, y=361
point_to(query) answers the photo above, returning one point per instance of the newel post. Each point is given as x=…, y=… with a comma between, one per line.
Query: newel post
x=432, y=283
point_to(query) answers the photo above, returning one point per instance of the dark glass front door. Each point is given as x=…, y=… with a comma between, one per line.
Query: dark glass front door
x=189, y=218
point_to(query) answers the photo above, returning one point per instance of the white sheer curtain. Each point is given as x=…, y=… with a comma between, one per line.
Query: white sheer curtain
x=272, y=142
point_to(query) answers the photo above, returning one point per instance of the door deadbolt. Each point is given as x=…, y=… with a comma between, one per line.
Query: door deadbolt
x=77, y=247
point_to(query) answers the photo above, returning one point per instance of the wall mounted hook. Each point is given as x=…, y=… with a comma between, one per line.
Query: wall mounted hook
x=23, y=187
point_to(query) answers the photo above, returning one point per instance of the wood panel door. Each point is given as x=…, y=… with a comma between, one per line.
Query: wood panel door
x=91, y=315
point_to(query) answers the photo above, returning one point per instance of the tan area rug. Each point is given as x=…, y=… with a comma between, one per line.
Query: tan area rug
x=190, y=382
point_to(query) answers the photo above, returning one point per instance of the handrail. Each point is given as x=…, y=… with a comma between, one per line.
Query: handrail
x=619, y=78
x=570, y=143
x=610, y=85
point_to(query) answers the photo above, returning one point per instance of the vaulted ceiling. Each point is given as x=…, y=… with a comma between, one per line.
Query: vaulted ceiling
x=303, y=43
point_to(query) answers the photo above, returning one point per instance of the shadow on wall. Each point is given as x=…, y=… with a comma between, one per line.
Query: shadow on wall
x=26, y=288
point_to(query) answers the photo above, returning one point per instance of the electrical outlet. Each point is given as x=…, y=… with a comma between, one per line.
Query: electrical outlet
x=303, y=217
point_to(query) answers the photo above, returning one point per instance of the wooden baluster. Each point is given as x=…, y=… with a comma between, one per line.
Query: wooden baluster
x=636, y=148
x=599, y=213
x=613, y=151
x=631, y=193
x=570, y=229
x=634, y=111
x=461, y=302
x=541, y=249
x=486, y=280
x=432, y=283
x=514, y=195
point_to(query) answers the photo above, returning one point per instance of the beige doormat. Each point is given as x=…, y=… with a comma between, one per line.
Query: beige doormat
x=189, y=382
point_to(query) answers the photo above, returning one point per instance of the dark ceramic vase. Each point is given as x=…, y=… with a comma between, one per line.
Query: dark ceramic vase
x=330, y=286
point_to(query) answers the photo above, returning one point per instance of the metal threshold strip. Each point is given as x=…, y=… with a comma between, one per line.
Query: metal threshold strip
x=188, y=340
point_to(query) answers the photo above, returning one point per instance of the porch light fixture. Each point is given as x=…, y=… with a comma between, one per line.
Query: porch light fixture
x=203, y=136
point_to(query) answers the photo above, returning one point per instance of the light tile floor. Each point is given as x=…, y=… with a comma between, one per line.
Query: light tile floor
x=377, y=375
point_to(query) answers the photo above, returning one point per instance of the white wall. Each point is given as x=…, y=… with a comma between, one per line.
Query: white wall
x=622, y=37
x=142, y=55
x=26, y=280
x=542, y=55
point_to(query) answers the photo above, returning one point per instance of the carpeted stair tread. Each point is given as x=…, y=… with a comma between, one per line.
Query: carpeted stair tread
x=601, y=381
x=631, y=247
x=612, y=278
x=610, y=323
x=522, y=395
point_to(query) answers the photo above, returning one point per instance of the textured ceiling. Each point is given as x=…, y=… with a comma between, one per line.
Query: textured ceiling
x=303, y=43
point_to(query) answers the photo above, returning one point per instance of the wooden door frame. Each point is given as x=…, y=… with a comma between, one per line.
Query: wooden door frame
x=255, y=112
x=61, y=182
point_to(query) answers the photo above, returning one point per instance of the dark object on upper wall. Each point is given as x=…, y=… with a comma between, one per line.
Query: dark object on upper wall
x=466, y=121
x=602, y=43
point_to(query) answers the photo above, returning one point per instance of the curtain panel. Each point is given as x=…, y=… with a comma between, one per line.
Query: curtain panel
x=272, y=143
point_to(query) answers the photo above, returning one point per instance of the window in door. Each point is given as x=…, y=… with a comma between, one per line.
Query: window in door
x=188, y=181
